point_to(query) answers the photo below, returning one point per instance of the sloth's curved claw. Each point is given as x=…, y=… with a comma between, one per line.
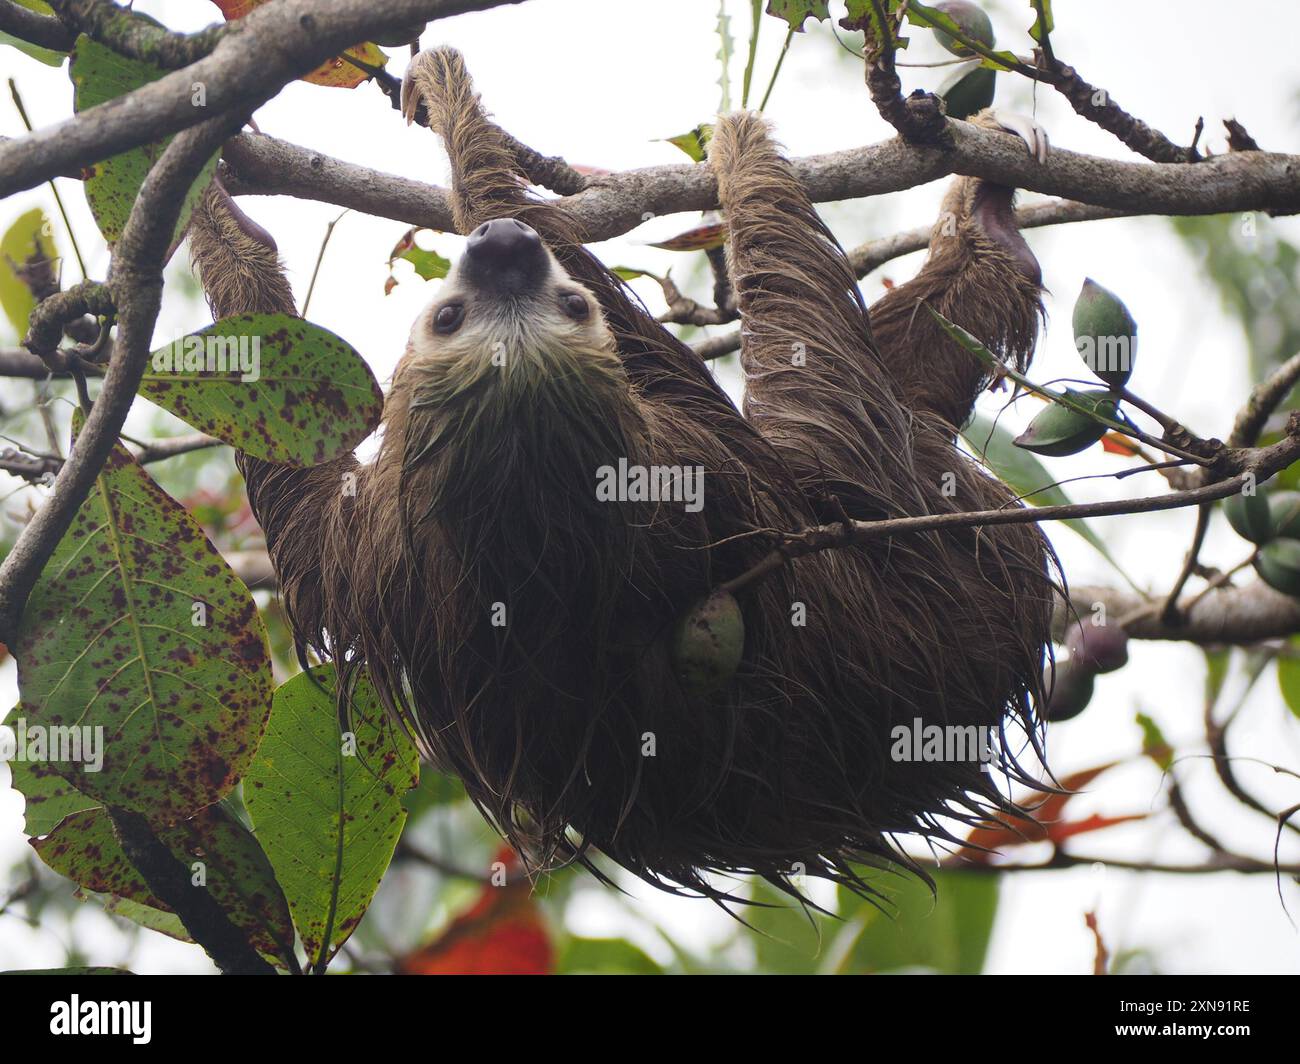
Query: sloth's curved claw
x=1024, y=127
x=410, y=94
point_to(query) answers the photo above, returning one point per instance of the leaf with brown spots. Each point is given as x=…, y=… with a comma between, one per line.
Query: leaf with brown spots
x=214, y=846
x=274, y=386
x=100, y=74
x=328, y=809
x=142, y=639
x=48, y=796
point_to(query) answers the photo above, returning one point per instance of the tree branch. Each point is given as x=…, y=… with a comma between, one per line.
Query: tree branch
x=130, y=35
x=614, y=204
x=254, y=57
x=169, y=881
x=34, y=28
x=1261, y=463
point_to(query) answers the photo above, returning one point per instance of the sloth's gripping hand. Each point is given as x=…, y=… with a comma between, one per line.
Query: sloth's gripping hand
x=1024, y=127
x=487, y=181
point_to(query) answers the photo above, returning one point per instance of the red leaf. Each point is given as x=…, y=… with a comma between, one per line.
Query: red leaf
x=1114, y=443
x=503, y=933
x=1038, y=827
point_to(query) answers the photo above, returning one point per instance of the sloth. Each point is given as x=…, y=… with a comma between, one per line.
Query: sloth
x=520, y=624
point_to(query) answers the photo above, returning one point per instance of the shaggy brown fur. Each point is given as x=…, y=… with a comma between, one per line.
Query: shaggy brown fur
x=482, y=497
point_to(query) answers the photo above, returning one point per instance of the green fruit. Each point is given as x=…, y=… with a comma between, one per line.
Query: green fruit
x=1059, y=430
x=1105, y=334
x=1250, y=516
x=974, y=23
x=1278, y=565
x=1284, y=509
x=1071, y=686
x=967, y=92
x=708, y=643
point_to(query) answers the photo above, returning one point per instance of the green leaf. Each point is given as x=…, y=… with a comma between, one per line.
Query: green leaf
x=46, y=55
x=1044, y=23
x=1025, y=475
x=27, y=245
x=1288, y=679
x=948, y=932
x=1216, y=671
x=99, y=74
x=694, y=142
x=428, y=264
x=214, y=846
x=327, y=805
x=1154, y=743
x=272, y=385
x=797, y=12
x=604, y=956
x=142, y=640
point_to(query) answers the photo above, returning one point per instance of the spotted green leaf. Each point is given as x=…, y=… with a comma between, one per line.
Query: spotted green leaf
x=217, y=850
x=327, y=805
x=272, y=385
x=99, y=74
x=141, y=638
x=48, y=796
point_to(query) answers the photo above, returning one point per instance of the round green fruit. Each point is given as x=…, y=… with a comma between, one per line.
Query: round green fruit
x=708, y=643
x=1278, y=565
x=1251, y=516
x=1105, y=334
x=972, y=20
x=1284, y=509
x=1059, y=430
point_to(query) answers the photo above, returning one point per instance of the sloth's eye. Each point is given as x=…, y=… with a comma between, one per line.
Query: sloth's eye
x=448, y=318
x=574, y=305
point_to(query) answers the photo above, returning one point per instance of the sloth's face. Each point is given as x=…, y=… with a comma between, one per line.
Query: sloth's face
x=509, y=305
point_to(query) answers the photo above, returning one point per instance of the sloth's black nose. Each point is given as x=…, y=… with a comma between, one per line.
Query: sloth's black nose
x=506, y=255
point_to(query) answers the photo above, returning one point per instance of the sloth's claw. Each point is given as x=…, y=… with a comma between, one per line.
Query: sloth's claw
x=410, y=94
x=1034, y=135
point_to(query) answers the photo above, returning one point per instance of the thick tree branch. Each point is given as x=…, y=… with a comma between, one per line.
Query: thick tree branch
x=614, y=204
x=1236, y=616
x=253, y=59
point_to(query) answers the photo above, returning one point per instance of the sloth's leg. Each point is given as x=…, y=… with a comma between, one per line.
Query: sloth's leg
x=303, y=512
x=980, y=274
x=815, y=386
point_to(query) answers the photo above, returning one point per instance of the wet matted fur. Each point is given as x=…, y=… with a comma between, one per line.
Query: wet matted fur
x=481, y=506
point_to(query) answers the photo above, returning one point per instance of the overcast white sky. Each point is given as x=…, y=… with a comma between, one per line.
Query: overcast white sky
x=600, y=81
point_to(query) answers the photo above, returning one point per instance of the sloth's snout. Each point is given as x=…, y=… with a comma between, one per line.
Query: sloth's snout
x=505, y=255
